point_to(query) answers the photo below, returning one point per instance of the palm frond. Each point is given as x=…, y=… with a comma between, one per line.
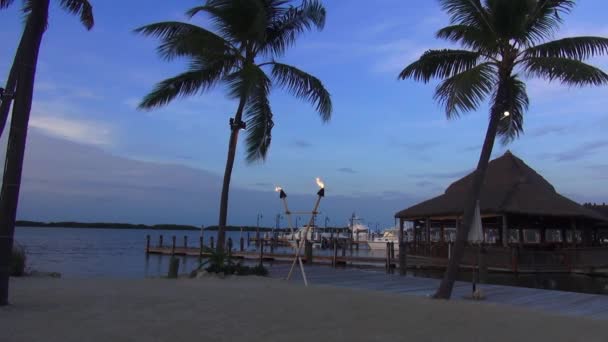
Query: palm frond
x=241, y=83
x=81, y=8
x=465, y=91
x=183, y=39
x=236, y=20
x=516, y=102
x=304, y=86
x=283, y=31
x=546, y=18
x=6, y=3
x=200, y=77
x=468, y=36
x=579, y=48
x=466, y=12
x=568, y=71
x=258, y=116
x=440, y=64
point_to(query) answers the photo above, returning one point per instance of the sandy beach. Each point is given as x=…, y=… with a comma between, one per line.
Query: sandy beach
x=261, y=309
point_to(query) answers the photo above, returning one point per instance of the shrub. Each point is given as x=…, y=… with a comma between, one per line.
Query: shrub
x=223, y=263
x=18, y=259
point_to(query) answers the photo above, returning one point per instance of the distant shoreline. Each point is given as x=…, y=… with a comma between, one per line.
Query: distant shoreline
x=110, y=225
x=104, y=225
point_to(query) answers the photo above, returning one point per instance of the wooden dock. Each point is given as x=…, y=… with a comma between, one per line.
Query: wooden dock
x=554, y=302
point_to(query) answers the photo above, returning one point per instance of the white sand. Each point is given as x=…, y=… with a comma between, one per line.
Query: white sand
x=254, y=309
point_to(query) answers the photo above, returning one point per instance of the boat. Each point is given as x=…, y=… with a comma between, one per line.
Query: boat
x=388, y=235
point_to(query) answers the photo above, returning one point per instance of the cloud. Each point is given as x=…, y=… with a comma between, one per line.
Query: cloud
x=472, y=148
x=263, y=185
x=81, y=131
x=577, y=153
x=424, y=184
x=442, y=175
x=346, y=170
x=301, y=144
x=85, y=183
x=550, y=129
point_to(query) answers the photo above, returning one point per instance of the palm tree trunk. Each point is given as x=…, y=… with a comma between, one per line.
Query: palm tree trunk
x=9, y=196
x=445, y=288
x=232, y=144
x=11, y=82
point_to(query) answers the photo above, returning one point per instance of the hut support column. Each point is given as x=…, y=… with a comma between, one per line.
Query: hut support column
x=427, y=235
x=573, y=225
x=402, y=252
x=505, y=231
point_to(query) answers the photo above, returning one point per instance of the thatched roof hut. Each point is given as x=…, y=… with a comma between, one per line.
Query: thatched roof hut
x=510, y=187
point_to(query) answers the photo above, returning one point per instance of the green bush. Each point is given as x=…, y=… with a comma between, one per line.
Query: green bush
x=223, y=263
x=18, y=259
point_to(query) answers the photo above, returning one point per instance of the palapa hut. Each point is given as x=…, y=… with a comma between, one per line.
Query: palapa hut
x=517, y=205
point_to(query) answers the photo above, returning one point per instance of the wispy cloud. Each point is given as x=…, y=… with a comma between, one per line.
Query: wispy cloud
x=81, y=131
x=441, y=175
x=301, y=144
x=550, y=129
x=346, y=170
x=577, y=153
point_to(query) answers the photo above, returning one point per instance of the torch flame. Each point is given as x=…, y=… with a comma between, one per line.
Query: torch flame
x=278, y=189
x=320, y=183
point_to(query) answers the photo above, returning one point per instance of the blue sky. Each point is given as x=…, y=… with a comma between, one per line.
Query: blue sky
x=387, y=146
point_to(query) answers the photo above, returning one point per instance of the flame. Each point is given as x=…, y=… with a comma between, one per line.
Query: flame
x=320, y=183
x=278, y=189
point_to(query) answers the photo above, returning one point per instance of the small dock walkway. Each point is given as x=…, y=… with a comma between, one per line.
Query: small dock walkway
x=554, y=302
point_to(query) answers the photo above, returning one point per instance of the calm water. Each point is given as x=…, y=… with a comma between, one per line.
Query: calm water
x=120, y=253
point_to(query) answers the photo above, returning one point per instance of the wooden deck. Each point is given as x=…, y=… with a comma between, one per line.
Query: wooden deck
x=554, y=302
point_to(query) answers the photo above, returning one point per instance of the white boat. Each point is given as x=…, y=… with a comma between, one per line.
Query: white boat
x=379, y=242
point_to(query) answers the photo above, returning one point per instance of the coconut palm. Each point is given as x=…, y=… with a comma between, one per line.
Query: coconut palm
x=239, y=52
x=503, y=41
x=21, y=82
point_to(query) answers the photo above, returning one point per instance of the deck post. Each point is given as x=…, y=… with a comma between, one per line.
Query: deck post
x=160, y=241
x=147, y=243
x=391, y=264
x=261, y=253
x=173, y=245
x=427, y=235
x=201, y=245
x=185, y=241
x=242, y=244
x=308, y=251
x=335, y=259
x=387, y=261
x=248, y=239
x=402, y=256
x=505, y=231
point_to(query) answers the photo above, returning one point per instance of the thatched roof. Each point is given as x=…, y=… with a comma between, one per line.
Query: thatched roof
x=510, y=187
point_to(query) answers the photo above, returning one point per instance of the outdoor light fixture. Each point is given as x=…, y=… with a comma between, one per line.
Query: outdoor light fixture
x=237, y=125
x=506, y=114
x=4, y=94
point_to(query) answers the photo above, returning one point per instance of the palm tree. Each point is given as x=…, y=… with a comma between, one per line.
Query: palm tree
x=502, y=41
x=24, y=73
x=246, y=38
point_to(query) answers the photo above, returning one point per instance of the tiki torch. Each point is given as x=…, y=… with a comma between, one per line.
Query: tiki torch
x=320, y=194
x=283, y=197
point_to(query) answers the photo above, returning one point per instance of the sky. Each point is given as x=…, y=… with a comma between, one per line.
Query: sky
x=92, y=156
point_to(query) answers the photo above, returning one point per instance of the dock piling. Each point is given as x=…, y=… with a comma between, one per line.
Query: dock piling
x=211, y=244
x=308, y=251
x=173, y=246
x=402, y=258
x=147, y=243
x=261, y=253
x=185, y=241
x=335, y=258
x=160, y=241
x=387, y=262
x=173, y=268
x=242, y=244
x=201, y=245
